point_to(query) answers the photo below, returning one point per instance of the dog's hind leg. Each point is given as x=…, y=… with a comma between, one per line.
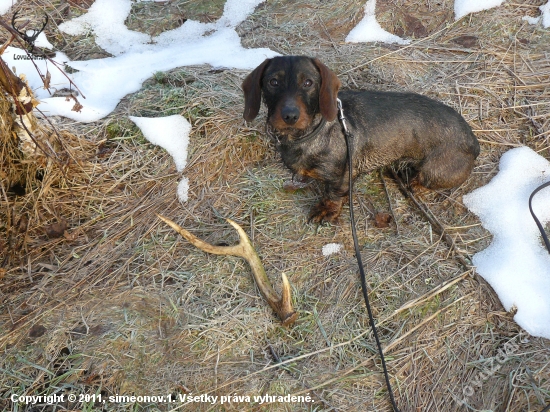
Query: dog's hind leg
x=445, y=169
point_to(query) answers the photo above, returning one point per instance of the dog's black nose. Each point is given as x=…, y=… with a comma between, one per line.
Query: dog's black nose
x=290, y=114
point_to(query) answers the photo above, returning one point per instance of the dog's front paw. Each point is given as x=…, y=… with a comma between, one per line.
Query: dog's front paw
x=326, y=211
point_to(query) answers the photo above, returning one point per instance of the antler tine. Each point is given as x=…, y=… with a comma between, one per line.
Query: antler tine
x=13, y=23
x=45, y=22
x=282, y=306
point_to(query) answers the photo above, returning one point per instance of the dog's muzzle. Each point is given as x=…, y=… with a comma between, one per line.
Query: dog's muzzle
x=290, y=114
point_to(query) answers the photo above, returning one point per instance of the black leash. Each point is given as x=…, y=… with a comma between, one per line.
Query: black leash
x=541, y=229
x=542, y=232
x=348, y=137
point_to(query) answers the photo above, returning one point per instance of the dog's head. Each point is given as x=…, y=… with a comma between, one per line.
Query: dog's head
x=295, y=89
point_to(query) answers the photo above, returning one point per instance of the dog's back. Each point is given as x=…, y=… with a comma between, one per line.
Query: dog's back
x=410, y=127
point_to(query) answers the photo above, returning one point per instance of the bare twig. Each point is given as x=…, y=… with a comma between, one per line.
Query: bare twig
x=22, y=43
x=389, y=199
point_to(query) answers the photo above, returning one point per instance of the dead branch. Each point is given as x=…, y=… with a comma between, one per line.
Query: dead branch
x=31, y=135
x=282, y=306
x=438, y=226
x=15, y=35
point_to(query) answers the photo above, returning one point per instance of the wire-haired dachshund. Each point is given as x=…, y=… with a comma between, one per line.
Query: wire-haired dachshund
x=300, y=94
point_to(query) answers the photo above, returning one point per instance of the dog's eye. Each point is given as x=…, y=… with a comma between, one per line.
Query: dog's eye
x=273, y=82
x=308, y=83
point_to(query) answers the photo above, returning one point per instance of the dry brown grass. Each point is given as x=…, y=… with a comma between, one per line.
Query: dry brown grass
x=121, y=305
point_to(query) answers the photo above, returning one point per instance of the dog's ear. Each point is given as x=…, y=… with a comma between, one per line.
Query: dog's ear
x=252, y=88
x=329, y=91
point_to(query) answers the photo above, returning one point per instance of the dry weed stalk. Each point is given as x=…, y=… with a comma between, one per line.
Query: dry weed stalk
x=17, y=119
x=36, y=141
x=22, y=101
x=30, y=149
x=282, y=306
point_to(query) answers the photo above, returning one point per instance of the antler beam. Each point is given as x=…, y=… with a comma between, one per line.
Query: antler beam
x=282, y=306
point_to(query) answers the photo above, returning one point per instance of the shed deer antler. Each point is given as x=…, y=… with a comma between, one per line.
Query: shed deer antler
x=282, y=306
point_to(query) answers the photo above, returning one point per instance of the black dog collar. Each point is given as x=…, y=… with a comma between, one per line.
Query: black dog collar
x=289, y=143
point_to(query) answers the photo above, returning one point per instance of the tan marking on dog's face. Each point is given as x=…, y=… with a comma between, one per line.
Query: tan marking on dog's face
x=277, y=122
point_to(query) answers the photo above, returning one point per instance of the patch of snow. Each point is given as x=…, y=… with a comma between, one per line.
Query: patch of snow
x=5, y=5
x=235, y=12
x=516, y=264
x=545, y=10
x=464, y=7
x=42, y=41
x=15, y=57
x=369, y=30
x=137, y=56
x=544, y=17
x=183, y=189
x=531, y=20
x=105, y=19
x=331, y=248
x=171, y=133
